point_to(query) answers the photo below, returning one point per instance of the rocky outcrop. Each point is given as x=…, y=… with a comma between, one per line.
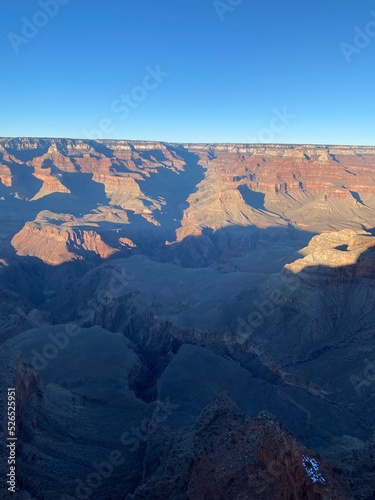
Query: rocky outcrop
x=5, y=176
x=345, y=254
x=51, y=183
x=55, y=246
x=227, y=455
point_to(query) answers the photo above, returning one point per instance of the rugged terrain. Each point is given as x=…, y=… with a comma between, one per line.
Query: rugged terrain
x=201, y=314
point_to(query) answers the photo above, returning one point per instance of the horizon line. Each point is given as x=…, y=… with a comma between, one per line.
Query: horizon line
x=187, y=142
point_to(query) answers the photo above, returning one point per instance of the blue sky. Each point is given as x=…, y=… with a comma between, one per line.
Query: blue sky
x=224, y=72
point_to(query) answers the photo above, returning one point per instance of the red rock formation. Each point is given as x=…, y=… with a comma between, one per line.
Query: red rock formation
x=55, y=246
x=314, y=188
x=228, y=455
x=5, y=176
x=342, y=254
x=51, y=183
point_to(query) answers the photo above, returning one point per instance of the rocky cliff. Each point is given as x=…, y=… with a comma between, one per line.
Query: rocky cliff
x=159, y=193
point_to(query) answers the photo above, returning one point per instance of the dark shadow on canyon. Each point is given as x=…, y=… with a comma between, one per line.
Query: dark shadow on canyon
x=252, y=198
x=254, y=385
x=172, y=187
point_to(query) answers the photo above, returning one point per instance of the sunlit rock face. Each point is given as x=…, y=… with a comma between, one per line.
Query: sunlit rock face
x=159, y=193
x=351, y=254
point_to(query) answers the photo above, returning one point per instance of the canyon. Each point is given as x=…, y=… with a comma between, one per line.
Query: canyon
x=200, y=314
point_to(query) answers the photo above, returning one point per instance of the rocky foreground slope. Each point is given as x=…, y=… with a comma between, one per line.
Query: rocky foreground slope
x=201, y=315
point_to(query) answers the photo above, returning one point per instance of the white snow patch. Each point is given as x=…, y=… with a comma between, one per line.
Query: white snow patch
x=311, y=466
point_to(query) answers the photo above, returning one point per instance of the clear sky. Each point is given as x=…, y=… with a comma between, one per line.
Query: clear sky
x=189, y=70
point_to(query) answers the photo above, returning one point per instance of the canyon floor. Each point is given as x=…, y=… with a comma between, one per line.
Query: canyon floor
x=188, y=321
